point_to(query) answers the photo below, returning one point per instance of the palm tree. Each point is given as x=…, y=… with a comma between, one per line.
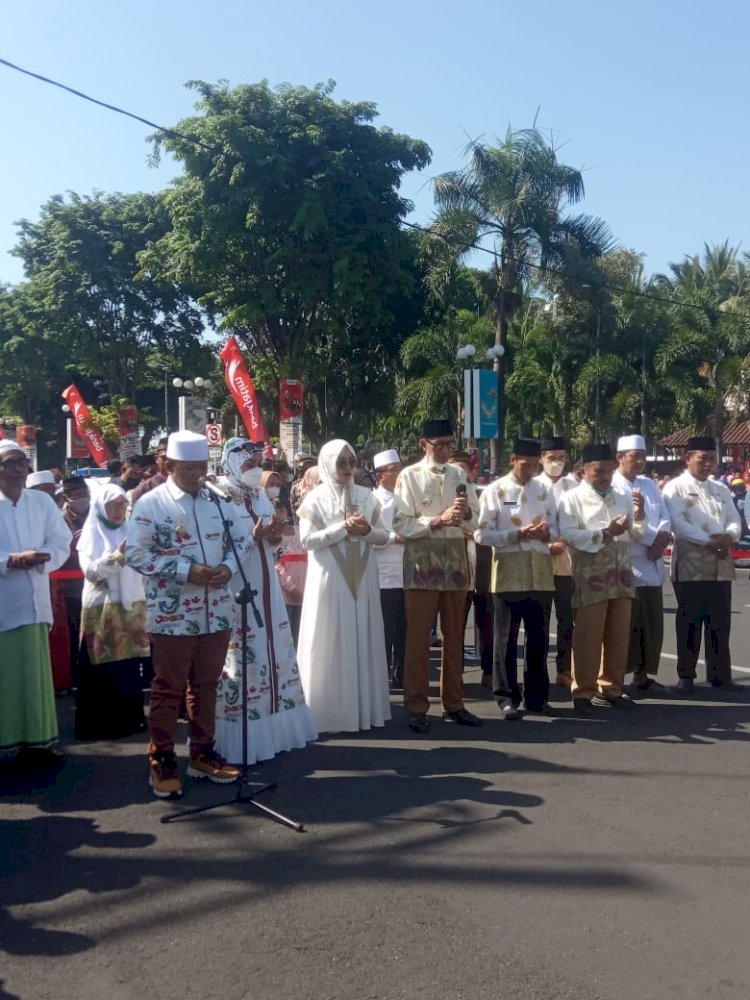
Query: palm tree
x=514, y=195
x=711, y=336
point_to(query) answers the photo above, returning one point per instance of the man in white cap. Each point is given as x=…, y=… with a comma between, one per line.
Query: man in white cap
x=43, y=482
x=34, y=540
x=647, y=553
x=177, y=540
x=390, y=559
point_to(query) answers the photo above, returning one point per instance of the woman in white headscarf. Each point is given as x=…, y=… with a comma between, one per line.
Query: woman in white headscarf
x=341, y=643
x=114, y=656
x=277, y=716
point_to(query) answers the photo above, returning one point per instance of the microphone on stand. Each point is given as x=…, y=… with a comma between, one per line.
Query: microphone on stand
x=217, y=491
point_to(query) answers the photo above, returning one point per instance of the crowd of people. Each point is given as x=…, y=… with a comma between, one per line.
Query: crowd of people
x=352, y=577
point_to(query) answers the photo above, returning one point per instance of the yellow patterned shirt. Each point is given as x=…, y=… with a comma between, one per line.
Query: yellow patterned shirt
x=699, y=509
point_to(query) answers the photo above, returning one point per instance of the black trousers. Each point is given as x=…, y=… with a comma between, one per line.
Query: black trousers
x=394, y=623
x=704, y=605
x=533, y=609
x=564, y=615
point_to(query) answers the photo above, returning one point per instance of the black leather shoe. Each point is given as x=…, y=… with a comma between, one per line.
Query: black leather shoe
x=462, y=717
x=418, y=723
x=725, y=685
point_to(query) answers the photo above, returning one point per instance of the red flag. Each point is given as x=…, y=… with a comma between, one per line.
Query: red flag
x=91, y=435
x=241, y=386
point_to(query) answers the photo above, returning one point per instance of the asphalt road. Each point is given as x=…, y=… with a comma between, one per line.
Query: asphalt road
x=544, y=859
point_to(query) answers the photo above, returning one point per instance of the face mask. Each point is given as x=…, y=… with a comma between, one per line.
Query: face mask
x=80, y=506
x=272, y=492
x=553, y=469
x=252, y=477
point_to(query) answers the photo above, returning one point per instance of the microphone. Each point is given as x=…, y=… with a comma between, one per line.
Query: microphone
x=216, y=491
x=461, y=490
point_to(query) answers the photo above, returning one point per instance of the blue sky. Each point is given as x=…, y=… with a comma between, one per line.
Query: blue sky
x=647, y=98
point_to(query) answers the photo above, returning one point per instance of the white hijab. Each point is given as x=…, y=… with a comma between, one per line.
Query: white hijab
x=97, y=541
x=331, y=497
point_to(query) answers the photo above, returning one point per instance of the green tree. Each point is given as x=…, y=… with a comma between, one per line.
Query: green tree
x=514, y=195
x=709, y=345
x=287, y=220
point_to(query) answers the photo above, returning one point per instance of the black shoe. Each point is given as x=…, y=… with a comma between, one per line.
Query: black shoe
x=582, y=706
x=418, y=723
x=462, y=717
x=545, y=709
x=32, y=759
x=622, y=701
x=725, y=685
x=685, y=685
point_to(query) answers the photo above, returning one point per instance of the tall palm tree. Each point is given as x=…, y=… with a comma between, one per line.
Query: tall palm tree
x=514, y=196
x=711, y=336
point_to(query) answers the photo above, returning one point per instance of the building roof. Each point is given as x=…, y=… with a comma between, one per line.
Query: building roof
x=735, y=432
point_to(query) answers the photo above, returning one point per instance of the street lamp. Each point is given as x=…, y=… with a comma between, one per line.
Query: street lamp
x=192, y=411
x=472, y=390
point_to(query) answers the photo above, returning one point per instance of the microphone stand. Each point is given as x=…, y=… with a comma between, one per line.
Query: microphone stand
x=243, y=598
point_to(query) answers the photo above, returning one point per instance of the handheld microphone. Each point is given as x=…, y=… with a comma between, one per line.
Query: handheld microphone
x=461, y=490
x=216, y=491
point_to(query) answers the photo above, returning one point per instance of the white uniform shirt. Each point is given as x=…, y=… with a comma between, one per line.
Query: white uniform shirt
x=168, y=532
x=390, y=557
x=559, y=487
x=34, y=522
x=645, y=572
x=698, y=510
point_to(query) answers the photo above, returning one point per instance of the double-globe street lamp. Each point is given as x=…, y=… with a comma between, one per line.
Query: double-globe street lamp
x=473, y=395
x=192, y=412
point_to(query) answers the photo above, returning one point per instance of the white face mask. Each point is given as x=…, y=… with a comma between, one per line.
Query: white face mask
x=553, y=469
x=252, y=477
x=272, y=492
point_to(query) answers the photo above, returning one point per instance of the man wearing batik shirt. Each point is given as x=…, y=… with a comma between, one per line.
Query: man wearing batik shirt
x=706, y=525
x=647, y=613
x=554, y=478
x=176, y=538
x=597, y=522
x=434, y=509
x=518, y=517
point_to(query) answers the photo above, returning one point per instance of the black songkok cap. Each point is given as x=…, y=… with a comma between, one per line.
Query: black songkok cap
x=700, y=444
x=596, y=453
x=437, y=429
x=527, y=448
x=553, y=444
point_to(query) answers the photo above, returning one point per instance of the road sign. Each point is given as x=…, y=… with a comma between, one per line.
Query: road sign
x=213, y=433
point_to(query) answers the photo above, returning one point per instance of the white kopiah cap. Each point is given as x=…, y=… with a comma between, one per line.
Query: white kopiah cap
x=187, y=446
x=384, y=458
x=7, y=445
x=45, y=478
x=631, y=442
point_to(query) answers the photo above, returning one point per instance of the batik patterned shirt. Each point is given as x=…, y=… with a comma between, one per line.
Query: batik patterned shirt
x=698, y=510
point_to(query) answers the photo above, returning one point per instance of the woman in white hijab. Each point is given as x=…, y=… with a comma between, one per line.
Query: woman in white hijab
x=277, y=716
x=115, y=653
x=341, y=644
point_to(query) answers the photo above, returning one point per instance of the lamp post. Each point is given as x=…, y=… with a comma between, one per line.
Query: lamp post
x=192, y=409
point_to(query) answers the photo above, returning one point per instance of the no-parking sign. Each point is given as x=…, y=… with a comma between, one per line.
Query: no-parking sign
x=213, y=433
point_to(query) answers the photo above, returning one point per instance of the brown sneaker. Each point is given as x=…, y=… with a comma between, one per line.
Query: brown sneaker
x=207, y=763
x=163, y=775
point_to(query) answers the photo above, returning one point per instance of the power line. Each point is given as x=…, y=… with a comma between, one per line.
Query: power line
x=186, y=137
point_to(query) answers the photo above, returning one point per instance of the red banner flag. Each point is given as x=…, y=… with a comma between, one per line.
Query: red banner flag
x=291, y=400
x=241, y=386
x=91, y=435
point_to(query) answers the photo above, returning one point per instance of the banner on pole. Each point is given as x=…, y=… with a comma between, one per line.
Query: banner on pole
x=480, y=403
x=91, y=435
x=26, y=439
x=241, y=386
x=77, y=447
x=130, y=439
x=291, y=406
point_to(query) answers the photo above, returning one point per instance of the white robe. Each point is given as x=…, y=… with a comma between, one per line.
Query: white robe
x=341, y=648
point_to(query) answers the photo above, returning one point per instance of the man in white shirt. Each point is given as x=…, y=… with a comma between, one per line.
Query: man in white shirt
x=518, y=517
x=647, y=613
x=597, y=522
x=554, y=460
x=34, y=540
x=390, y=559
x=434, y=509
x=706, y=525
x=177, y=540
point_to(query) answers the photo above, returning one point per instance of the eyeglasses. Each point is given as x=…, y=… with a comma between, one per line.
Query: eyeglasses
x=342, y=463
x=441, y=442
x=15, y=463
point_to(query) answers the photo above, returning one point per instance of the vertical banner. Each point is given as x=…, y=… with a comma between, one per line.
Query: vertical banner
x=91, y=435
x=77, y=447
x=130, y=439
x=291, y=405
x=480, y=403
x=193, y=414
x=26, y=438
x=241, y=386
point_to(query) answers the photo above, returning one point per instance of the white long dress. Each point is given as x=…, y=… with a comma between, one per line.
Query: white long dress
x=341, y=647
x=277, y=716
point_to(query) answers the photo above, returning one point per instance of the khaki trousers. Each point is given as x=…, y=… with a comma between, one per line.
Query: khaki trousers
x=421, y=608
x=600, y=648
x=189, y=664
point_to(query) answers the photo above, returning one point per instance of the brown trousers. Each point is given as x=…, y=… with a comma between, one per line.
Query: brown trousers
x=600, y=648
x=421, y=608
x=190, y=665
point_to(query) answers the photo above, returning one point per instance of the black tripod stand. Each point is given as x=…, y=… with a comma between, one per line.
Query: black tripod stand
x=243, y=598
